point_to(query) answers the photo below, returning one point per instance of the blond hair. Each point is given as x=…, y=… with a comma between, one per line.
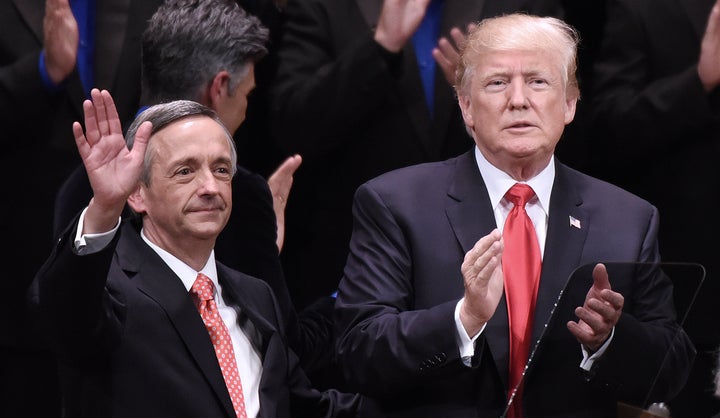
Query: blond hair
x=520, y=32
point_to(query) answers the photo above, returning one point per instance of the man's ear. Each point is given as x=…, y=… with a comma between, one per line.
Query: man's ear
x=570, y=107
x=136, y=200
x=218, y=90
x=465, y=108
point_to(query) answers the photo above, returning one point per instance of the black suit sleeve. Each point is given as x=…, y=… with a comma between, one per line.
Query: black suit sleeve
x=385, y=345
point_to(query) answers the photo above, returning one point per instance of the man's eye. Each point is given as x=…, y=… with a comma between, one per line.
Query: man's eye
x=184, y=171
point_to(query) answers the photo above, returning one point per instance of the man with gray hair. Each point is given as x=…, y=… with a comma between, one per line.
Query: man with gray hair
x=144, y=321
x=456, y=266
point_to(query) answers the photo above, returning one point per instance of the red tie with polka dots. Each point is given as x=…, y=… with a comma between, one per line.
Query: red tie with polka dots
x=202, y=289
x=521, y=264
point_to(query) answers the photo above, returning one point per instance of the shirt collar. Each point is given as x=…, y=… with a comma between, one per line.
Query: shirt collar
x=186, y=273
x=498, y=182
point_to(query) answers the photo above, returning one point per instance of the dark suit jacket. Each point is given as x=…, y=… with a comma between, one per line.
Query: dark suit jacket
x=132, y=344
x=354, y=111
x=394, y=311
x=247, y=244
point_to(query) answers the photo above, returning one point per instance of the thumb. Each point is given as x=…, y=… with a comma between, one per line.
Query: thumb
x=600, y=277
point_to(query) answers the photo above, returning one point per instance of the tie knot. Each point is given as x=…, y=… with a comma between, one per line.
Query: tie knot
x=519, y=194
x=203, y=287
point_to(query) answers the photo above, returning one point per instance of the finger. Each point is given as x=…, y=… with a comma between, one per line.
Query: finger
x=581, y=331
x=458, y=37
x=490, y=264
x=100, y=112
x=448, y=50
x=481, y=260
x=583, y=334
x=80, y=140
x=112, y=114
x=615, y=299
x=288, y=167
x=482, y=245
x=91, y=127
x=607, y=313
x=486, y=256
x=142, y=136
x=595, y=322
x=445, y=65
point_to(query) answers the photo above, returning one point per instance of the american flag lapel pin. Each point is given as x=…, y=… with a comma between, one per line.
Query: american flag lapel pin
x=574, y=222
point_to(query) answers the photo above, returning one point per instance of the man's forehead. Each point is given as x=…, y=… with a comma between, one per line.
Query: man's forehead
x=518, y=62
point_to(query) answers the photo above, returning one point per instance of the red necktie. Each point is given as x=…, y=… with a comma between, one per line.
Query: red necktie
x=521, y=267
x=202, y=289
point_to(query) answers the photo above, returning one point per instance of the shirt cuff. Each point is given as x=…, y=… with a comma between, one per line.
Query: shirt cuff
x=86, y=244
x=464, y=341
x=588, y=360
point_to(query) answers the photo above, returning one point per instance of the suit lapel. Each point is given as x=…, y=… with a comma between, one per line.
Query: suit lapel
x=471, y=217
x=155, y=279
x=563, y=245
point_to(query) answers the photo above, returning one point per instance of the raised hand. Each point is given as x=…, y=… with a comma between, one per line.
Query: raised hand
x=709, y=62
x=483, y=276
x=280, y=183
x=600, y=312
x=399, y=19
x=113, y=169
x=61, y=38
x=447, y=53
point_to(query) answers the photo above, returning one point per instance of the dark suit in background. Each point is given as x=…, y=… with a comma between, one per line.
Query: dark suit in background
x=353, y=110
x=397, y=336
x=38, y=145
x=661, y=130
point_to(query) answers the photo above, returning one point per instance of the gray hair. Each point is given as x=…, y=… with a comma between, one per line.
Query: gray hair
x=517, y=32
x=187, y=42
x=162, y=115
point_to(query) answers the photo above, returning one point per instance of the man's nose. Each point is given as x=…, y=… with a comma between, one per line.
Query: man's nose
x=518, y=95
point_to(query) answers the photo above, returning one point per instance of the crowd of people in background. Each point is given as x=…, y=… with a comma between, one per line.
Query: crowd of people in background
x=369, y=272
